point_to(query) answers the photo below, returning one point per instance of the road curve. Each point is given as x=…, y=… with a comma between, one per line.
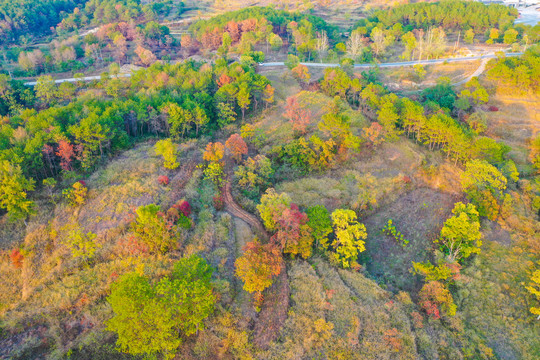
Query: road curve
x=322, y=65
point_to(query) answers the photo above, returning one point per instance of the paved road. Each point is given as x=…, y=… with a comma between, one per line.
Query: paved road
x=72, y=80
x=324, y=65
x=398, y=64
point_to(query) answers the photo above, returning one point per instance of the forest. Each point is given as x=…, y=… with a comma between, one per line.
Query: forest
x=183, y=182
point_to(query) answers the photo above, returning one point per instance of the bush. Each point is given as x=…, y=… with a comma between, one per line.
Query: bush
x=163, y=180
x=77, y=194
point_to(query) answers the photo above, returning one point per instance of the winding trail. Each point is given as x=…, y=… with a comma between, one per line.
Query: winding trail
x=276, y=298
x=235, y=210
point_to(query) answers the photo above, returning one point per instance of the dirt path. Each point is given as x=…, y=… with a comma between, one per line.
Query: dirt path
x=477, y=73
x=235, y=210
x=276, y=298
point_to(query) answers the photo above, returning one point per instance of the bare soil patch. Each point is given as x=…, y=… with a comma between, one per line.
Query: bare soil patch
x=419, y=216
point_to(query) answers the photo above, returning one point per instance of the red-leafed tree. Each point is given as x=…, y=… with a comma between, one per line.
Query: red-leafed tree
x=298, y=117
x=237, y=146
x=258, y=265
x=66, y=153
x=294, y=235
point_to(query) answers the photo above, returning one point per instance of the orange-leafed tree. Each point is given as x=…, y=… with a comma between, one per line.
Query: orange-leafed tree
x=224, y=79
x=373, y=134
x=214, y=152
x=268, y=94
x=147, y=57
x=301, y=73
x=66, y=153
x=237, y=146
x=258, y=265
x=298, y=117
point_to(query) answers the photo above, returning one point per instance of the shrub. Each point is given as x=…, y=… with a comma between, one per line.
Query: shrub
x=390, y=229
x=77, y=194
x=16, y=258
x=163, y=180
x=167, y=149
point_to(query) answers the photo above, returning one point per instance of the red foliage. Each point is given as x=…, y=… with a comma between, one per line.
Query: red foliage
x=16, y=259
x=163, y=180
x=431, y=309
x=293, y=235
x=66, y=153
x=219, y=202
x=132, y=246
x=406, y=179
x=392, y=338
x=183, y=206
x=82, y=182
x=493, y=108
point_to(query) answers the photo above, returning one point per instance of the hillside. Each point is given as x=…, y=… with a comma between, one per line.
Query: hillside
x=208, y=207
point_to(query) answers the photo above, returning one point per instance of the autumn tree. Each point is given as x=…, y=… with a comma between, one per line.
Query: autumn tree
x=146, y=56
x=355, y=44
x=460, y=235
x=237, y=146
x=243, y=98
x=258, y=265
x=77, y=194
x=254, y=175
x=151, y=228
x=82, y=245
x=297, y=116
x=268, y=95
x=155, y=317
x=46, y=89
x=349, y=238
x=271, y=206
x=293, y=234
x=167, y=149
x=381, y=40
x=214, y=152
x=322, y=45
x=436, y=299
x=301, y=74
x=484, y=185
x=13, y=191
x=533, y=287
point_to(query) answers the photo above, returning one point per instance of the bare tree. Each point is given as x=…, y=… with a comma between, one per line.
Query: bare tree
x=355, y=44
x=322, y=44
